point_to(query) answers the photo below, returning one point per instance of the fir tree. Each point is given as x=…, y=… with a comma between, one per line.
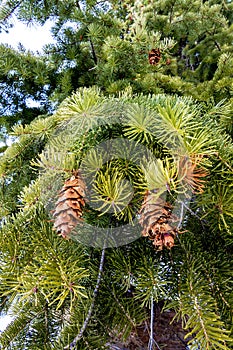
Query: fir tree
x=116, y=200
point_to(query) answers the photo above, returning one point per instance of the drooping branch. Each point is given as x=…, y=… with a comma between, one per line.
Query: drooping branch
x=87, y=319
x=150, y=345
x=151, y=340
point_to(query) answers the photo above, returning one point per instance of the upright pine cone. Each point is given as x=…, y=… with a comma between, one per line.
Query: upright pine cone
x=156, y=218
x=69, y=207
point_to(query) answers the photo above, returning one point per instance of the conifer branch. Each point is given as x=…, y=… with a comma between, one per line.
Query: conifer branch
x=199, y=313
x=122, y=308
x=89, y=314
x=150, y=345
x=77, y=5
x=183, y=205
x=93, y=52
x=224, y=162
x=7, y=11
x=151, y=331
x=217, y=45
x=181, y=216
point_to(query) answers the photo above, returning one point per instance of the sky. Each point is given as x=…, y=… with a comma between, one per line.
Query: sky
x=4, y=321
x=32, y=38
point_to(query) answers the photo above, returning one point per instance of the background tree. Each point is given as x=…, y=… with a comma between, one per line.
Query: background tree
x=107, y=44
x=66, y=294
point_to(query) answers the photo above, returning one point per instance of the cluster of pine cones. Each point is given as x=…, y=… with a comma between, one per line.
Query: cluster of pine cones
x=156, y=216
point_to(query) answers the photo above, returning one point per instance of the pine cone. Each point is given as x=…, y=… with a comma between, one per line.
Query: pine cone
x=156, y=218
x=154, y=56
x=69, y=207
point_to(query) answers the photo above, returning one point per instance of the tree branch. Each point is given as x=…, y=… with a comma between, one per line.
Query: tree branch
x=151, y=340
x=77, y=5
x=150, y=345
x=9, y=11
x=217, y=45
x=87, y=319
x=122, y=308
x=93, y=52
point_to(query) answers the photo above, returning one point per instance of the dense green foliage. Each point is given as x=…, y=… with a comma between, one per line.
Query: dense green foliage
x=107, y=45
x=93, y=85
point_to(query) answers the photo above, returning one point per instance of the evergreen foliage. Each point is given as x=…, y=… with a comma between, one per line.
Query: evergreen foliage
x=133, y=128
x=40, y=268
